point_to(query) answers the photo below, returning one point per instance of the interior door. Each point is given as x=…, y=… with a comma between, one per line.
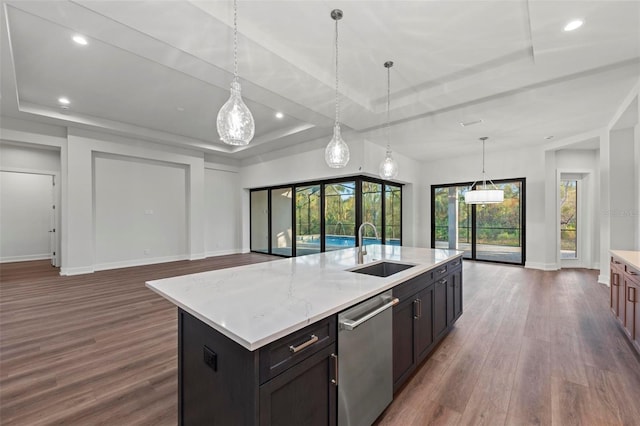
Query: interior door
x=27, y=217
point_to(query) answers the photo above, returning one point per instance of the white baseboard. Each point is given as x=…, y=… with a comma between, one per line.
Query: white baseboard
x=139, y=262
x=76, y=271
x=197, y=256
x=541, y=266
x=25, y=258
x=222, y=252
x=604, y=279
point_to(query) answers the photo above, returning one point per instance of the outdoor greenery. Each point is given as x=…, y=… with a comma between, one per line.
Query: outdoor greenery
x=496, y=224
x=340, y=211
x=568, y=214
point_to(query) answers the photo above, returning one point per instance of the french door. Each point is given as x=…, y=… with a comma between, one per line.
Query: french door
x=489, y=232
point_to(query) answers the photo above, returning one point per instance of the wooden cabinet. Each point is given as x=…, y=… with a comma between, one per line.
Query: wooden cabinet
x=302, y=394
x=429, y=305
x=616, y=280
x=290, y=381
x=625, y=298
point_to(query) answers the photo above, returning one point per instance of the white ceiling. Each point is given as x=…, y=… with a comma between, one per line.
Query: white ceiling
x=160, y=70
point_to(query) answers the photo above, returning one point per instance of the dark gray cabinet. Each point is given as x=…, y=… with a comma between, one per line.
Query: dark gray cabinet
x=290, y=381
x=429, y=306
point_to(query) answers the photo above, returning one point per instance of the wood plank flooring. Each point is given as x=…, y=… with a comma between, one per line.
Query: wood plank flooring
x=532, y=347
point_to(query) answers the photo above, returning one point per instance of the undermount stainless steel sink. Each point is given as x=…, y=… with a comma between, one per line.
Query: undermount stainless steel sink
x=382, y=269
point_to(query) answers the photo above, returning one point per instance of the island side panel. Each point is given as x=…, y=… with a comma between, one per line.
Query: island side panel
x=217, y=378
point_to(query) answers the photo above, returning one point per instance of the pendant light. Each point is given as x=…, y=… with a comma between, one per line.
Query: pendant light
x=336, y=154
x=484, y=195
x=235, y=123
x=388, y=167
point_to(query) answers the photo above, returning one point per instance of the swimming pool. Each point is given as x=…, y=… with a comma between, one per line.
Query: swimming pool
x=340, y=241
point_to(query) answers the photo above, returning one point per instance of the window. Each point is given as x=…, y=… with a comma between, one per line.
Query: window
x=339, y=215
x=491, y=232
x=260, y=221
x=281, y=232
x=372, y=212
x=307, y=220
x=322, y=216
x=568, y=219
x=393, y=214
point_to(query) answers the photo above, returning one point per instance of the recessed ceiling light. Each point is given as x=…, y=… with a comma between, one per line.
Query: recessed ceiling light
x=470, y=123
x=80, y=39
x=573, y=25
x=180, y=108
x=279, y=115
x=64, y=101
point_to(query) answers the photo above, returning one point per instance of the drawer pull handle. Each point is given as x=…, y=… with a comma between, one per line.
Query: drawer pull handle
x=616, y=280
x=443, y=281
x=629, y=295
x=632, y=273
x=334, y=381
x=300, y=347
x=442, y=271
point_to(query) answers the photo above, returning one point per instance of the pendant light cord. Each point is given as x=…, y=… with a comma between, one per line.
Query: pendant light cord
x=388, y=104
x=235, y=40
x=337, y=105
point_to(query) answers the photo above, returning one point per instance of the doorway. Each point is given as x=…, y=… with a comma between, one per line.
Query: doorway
x=574, y=237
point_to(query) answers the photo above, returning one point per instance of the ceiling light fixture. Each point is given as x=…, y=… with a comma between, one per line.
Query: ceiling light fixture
x=235, y=123
x=79, y=39
x=388, y=167
x=484, y=194
x=336, y=154
x=279, y=115
x=64, y=101
x=573, y=25
x=549, y=137
x=470, y=123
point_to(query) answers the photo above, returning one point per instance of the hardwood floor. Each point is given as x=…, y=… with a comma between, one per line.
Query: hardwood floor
x=532, y=347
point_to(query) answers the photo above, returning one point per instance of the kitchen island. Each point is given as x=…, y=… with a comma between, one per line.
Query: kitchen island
x=257, y=343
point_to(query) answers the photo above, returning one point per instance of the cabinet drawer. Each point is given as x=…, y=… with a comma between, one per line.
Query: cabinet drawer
x=298, y=346
x=632, y=273
x=410, y=287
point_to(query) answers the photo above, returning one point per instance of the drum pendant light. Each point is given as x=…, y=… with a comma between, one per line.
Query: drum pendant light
x=235, y=123
x=484, y=194
x=336, y=154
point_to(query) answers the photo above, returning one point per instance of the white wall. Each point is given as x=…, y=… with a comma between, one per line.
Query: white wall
x=139, y=211
x=223, y=223
x=624, y=222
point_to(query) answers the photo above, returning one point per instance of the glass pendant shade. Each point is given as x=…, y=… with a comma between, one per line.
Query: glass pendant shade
x=484, y=196
x=336, y=154
x=235, y=122
x=388, y=167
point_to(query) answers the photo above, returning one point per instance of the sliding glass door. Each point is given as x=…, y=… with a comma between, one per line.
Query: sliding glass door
x=314, y=217
x=491, y=232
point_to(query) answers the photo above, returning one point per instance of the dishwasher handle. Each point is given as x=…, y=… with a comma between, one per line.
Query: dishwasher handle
x=350, y=324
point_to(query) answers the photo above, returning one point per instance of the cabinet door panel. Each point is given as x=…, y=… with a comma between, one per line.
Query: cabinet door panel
x=457, y=294
x=424, y=328
x=303, y=394
x=631, y=309
x=440, y=307
x=403, y=349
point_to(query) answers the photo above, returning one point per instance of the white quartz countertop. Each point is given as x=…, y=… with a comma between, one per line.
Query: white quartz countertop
x=632, y=258
x=257, y=304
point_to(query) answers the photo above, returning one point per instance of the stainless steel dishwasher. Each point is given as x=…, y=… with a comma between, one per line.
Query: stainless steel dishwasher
x=365, y=360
